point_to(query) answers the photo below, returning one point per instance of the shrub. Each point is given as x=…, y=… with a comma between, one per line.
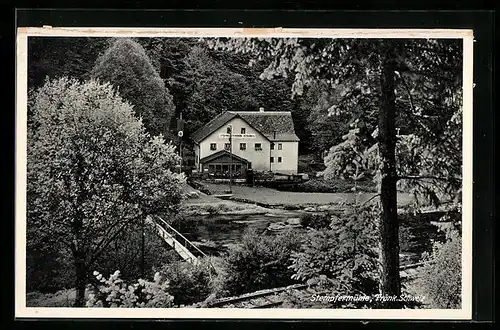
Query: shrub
x=440, y=280
x=114, y=292
x=188, y=283
x=344, y=256
x=315, y=220
x=260, y=262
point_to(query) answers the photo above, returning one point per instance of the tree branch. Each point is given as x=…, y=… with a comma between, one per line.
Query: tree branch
x=369, y=199
x=98, y=251
x=430, y=177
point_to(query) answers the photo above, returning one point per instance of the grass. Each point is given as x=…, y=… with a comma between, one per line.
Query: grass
x=62, y=298
x=286, y=199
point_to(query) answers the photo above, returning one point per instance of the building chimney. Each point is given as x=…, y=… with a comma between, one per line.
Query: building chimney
x=261, y=109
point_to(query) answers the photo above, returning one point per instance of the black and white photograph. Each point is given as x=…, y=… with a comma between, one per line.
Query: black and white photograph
x=287, y=172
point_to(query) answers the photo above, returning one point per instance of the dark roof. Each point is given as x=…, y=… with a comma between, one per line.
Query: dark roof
x=274, y=125
x=212, y=125
x=220, y=154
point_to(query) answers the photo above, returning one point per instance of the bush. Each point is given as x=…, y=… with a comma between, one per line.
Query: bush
x=440, y=280
x=260, y=262
x=345, y=256
x=315, y=220
x=114, y=292
x=188, y=283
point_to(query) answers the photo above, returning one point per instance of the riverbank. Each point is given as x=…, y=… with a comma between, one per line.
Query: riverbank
x=199, y=203
x=272, y=198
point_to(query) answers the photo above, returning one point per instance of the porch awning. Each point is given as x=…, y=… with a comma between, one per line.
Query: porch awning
x=223, y=155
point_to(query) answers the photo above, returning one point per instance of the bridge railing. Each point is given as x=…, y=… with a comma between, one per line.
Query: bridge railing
x=180, y=238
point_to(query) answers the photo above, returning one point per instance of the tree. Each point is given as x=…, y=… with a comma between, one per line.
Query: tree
x=92, y=171
x=58, y=57
x=369, y=74
x=216, y=89
x=127, y=67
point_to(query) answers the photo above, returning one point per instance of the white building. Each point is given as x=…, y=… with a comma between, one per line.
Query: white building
x=258, y=140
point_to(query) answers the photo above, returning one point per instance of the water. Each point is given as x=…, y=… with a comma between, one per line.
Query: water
x=226, y=230
x=218, y=232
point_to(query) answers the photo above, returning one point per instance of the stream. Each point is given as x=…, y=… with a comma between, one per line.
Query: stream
x=215, y=233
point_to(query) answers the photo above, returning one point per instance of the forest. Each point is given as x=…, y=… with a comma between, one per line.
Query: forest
x=102, y=150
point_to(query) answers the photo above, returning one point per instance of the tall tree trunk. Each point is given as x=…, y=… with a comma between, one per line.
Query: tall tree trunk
x=388, y=221
x=81, y=279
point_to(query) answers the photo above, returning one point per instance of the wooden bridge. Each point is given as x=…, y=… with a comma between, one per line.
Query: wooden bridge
x=184, y=248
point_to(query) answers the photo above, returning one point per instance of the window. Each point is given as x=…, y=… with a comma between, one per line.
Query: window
x=272, y=159
x=227, y=146
x=196, y=159
x=272, y=146
x=280, y=146
x=258, y=146
x=243, y=146
x=279, y=159
x=243, y=130
x=228, y=130
x=213, y=146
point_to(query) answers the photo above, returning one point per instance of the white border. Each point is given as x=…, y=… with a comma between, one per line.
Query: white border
x=21, y=311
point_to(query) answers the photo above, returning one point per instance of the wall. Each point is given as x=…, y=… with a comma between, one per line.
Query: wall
x=289, y=155
x=260, y=159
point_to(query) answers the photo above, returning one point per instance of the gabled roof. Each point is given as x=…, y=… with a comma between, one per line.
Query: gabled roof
x=212, y=126
x=274, y=125
x=220, y=154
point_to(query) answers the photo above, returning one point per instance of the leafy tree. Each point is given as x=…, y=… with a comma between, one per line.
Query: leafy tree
x=92, y=171
x=369, y=74
x=127, y=67
x=58, y=57
x=216, y=89
x=125, y=253
x=168, y=56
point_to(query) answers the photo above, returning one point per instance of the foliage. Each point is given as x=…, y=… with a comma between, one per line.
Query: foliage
x=92, y=170
x=125, y=253
x=427, y=94
x=315, y=221
x=326, y=130
x=61, y=298
x=440, y=280
x=126, y=66
x=413, y=85
x=58, y=57
x=345, y=255
x=351, y=159
x=188, y=283
x=114, y=292
x=259, y=262
x=215, y=89
x=48, y=264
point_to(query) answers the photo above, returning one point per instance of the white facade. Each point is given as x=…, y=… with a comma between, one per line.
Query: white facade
x=250, y=144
